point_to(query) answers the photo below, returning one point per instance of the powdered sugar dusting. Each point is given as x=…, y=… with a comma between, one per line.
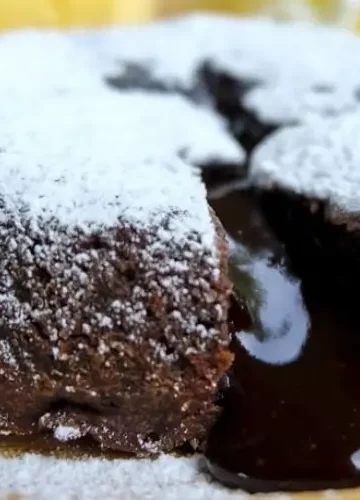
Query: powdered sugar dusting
x=319, y=160
x=173, y=478
x=72, y=65
x=41, y=63
x=295, y=68
x=64, y=433
x=90, y=161
x=6, y=354
x=128, y=127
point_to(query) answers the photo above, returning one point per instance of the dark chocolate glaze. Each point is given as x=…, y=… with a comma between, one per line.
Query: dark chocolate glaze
x=291, y=416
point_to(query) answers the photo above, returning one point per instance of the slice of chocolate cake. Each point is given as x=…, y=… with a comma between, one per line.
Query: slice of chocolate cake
x=113, y=280
x=309, y=177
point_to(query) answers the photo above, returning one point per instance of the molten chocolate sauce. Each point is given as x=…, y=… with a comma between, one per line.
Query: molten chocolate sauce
x=291, y=416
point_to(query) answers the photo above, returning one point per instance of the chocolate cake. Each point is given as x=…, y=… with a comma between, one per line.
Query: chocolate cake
x=113, y=285
x=309, y=181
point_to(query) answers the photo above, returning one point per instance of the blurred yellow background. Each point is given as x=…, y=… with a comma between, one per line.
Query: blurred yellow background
x=19, y=13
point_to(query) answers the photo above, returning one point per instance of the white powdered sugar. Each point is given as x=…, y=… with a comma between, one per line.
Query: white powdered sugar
x=298, y=68
x=41, y=63
x=173, y=478
x=318, y=160
x=90, y=159
x=66, y=433
x=39, y=66
x=6, y=355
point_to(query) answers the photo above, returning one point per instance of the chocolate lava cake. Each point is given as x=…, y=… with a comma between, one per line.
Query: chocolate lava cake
x=309, y=180
x=114, y=292
x=114, y=289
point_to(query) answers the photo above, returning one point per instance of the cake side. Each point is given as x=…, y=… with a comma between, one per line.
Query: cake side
x=116, y=335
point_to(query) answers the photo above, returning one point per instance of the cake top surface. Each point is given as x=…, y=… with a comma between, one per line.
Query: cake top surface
x=297, y=68
x=89, y=159
x=319, y=160
x=41, y=63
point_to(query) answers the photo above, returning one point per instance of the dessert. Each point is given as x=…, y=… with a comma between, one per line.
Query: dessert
x=114, y=288
x=113, y=285
x=309, y=179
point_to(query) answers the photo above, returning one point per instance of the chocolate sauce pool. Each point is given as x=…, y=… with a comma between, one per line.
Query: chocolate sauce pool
x=291, y=407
